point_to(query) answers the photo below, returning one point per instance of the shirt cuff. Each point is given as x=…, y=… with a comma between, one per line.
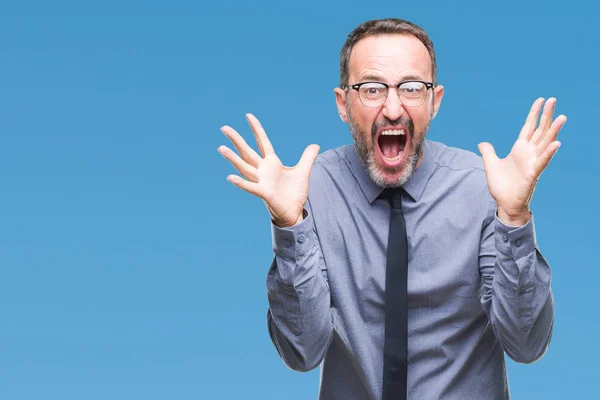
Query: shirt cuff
x=516, y=242
x=293, y=241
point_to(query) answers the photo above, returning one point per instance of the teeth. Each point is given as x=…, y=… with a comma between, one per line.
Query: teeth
x=393, y=132
x=397, y=158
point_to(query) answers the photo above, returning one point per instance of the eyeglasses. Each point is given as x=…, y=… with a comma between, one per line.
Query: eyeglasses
x=374, y=94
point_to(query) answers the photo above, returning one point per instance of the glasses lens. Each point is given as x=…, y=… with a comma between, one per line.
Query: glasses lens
x=413, y=93
x=372, y=94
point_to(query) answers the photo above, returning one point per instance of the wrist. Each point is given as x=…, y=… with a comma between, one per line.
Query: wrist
x=287, y=224
x=514, y=218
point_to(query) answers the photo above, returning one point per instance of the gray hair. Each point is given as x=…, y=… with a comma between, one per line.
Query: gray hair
x=381, y=27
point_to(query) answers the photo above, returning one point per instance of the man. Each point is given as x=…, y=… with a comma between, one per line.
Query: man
x=402, y=266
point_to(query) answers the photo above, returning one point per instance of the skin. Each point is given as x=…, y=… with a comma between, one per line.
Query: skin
x=391, y=59
x=512, y=180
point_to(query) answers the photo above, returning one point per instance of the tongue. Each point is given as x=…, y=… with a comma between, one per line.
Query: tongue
x=389, y=145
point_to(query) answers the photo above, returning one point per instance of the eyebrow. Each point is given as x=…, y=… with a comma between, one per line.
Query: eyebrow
x=371, y=77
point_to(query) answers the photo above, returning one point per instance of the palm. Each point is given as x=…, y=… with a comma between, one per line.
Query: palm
x=283, y=189
x=512, y=180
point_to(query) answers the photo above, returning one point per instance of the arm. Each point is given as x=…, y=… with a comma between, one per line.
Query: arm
x=299, y=318
x=517, y=294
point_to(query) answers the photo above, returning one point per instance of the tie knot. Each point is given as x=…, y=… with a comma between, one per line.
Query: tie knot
x=393, y=196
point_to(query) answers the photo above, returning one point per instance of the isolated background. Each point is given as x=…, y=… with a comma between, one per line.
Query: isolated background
x=131, y=269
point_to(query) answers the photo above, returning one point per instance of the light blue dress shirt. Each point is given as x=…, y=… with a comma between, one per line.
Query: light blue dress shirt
x=476, y=288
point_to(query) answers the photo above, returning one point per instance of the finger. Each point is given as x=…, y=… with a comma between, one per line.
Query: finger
x=545, y=121
x=246, y=152
x=544, y=160
x=261, y=136
x=250, y=187
x=308, y=158
x=537, y=134
x=488, y=153
x=531, y=121
x=248, y=171
x=552, y=133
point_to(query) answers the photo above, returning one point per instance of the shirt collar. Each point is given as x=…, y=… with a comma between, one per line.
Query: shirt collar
x=414, y=186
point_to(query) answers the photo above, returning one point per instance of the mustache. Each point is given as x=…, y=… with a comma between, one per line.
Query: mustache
x=401, y=123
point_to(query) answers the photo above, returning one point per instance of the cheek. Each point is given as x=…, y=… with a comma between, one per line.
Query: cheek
x=420, y=117
x=364, y=118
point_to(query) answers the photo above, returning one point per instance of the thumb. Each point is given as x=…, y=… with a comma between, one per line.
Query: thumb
x=308, y=158
x=488, y=153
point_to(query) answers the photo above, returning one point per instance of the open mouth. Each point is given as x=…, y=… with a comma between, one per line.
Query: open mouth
x=391, y=145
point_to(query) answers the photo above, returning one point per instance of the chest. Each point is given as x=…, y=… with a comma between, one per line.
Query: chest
x=443, y=252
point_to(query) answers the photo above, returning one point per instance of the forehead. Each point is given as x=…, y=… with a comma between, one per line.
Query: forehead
x=391, y=57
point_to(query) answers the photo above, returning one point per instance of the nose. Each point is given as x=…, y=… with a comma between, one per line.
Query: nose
x=393, y=107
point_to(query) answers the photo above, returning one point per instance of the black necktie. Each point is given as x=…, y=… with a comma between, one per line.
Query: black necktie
x=396, y=302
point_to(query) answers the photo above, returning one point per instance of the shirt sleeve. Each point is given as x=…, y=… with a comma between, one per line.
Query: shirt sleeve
x=299, y=318
x=517, y=292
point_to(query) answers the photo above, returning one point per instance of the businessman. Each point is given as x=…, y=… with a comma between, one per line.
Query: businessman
x=403, y=267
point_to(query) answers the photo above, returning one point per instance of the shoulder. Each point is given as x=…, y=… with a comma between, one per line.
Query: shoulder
x=332, y=161
x=461, y=172
x=457, y=166
x=332, y=156
x=331, y=171
x=456, y=159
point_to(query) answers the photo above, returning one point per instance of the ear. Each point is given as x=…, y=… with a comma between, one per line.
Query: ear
x=340, y=101
x=438, y=93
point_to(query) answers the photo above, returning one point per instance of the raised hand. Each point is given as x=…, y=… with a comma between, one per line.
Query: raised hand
x=512, y=180
x=283, y=189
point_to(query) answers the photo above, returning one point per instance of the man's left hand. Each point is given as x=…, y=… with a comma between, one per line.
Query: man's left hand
x=512, y=180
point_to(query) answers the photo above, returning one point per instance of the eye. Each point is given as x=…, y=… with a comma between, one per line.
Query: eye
x=373, y=90
x=412, y=88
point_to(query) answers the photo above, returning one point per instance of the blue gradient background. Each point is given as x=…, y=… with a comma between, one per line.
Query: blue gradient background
x=130, y=267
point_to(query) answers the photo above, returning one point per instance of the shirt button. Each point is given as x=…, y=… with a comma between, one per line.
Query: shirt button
x=505, y=238
x=301, y=239
x=287, y=243
x=518, y=242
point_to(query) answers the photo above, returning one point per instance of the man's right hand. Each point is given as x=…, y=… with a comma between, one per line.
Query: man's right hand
x=283, y=189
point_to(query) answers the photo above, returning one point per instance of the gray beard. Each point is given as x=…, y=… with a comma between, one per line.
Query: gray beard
x=367, y=157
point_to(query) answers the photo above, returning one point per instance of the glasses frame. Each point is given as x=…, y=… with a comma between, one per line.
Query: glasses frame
x=356, y=86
